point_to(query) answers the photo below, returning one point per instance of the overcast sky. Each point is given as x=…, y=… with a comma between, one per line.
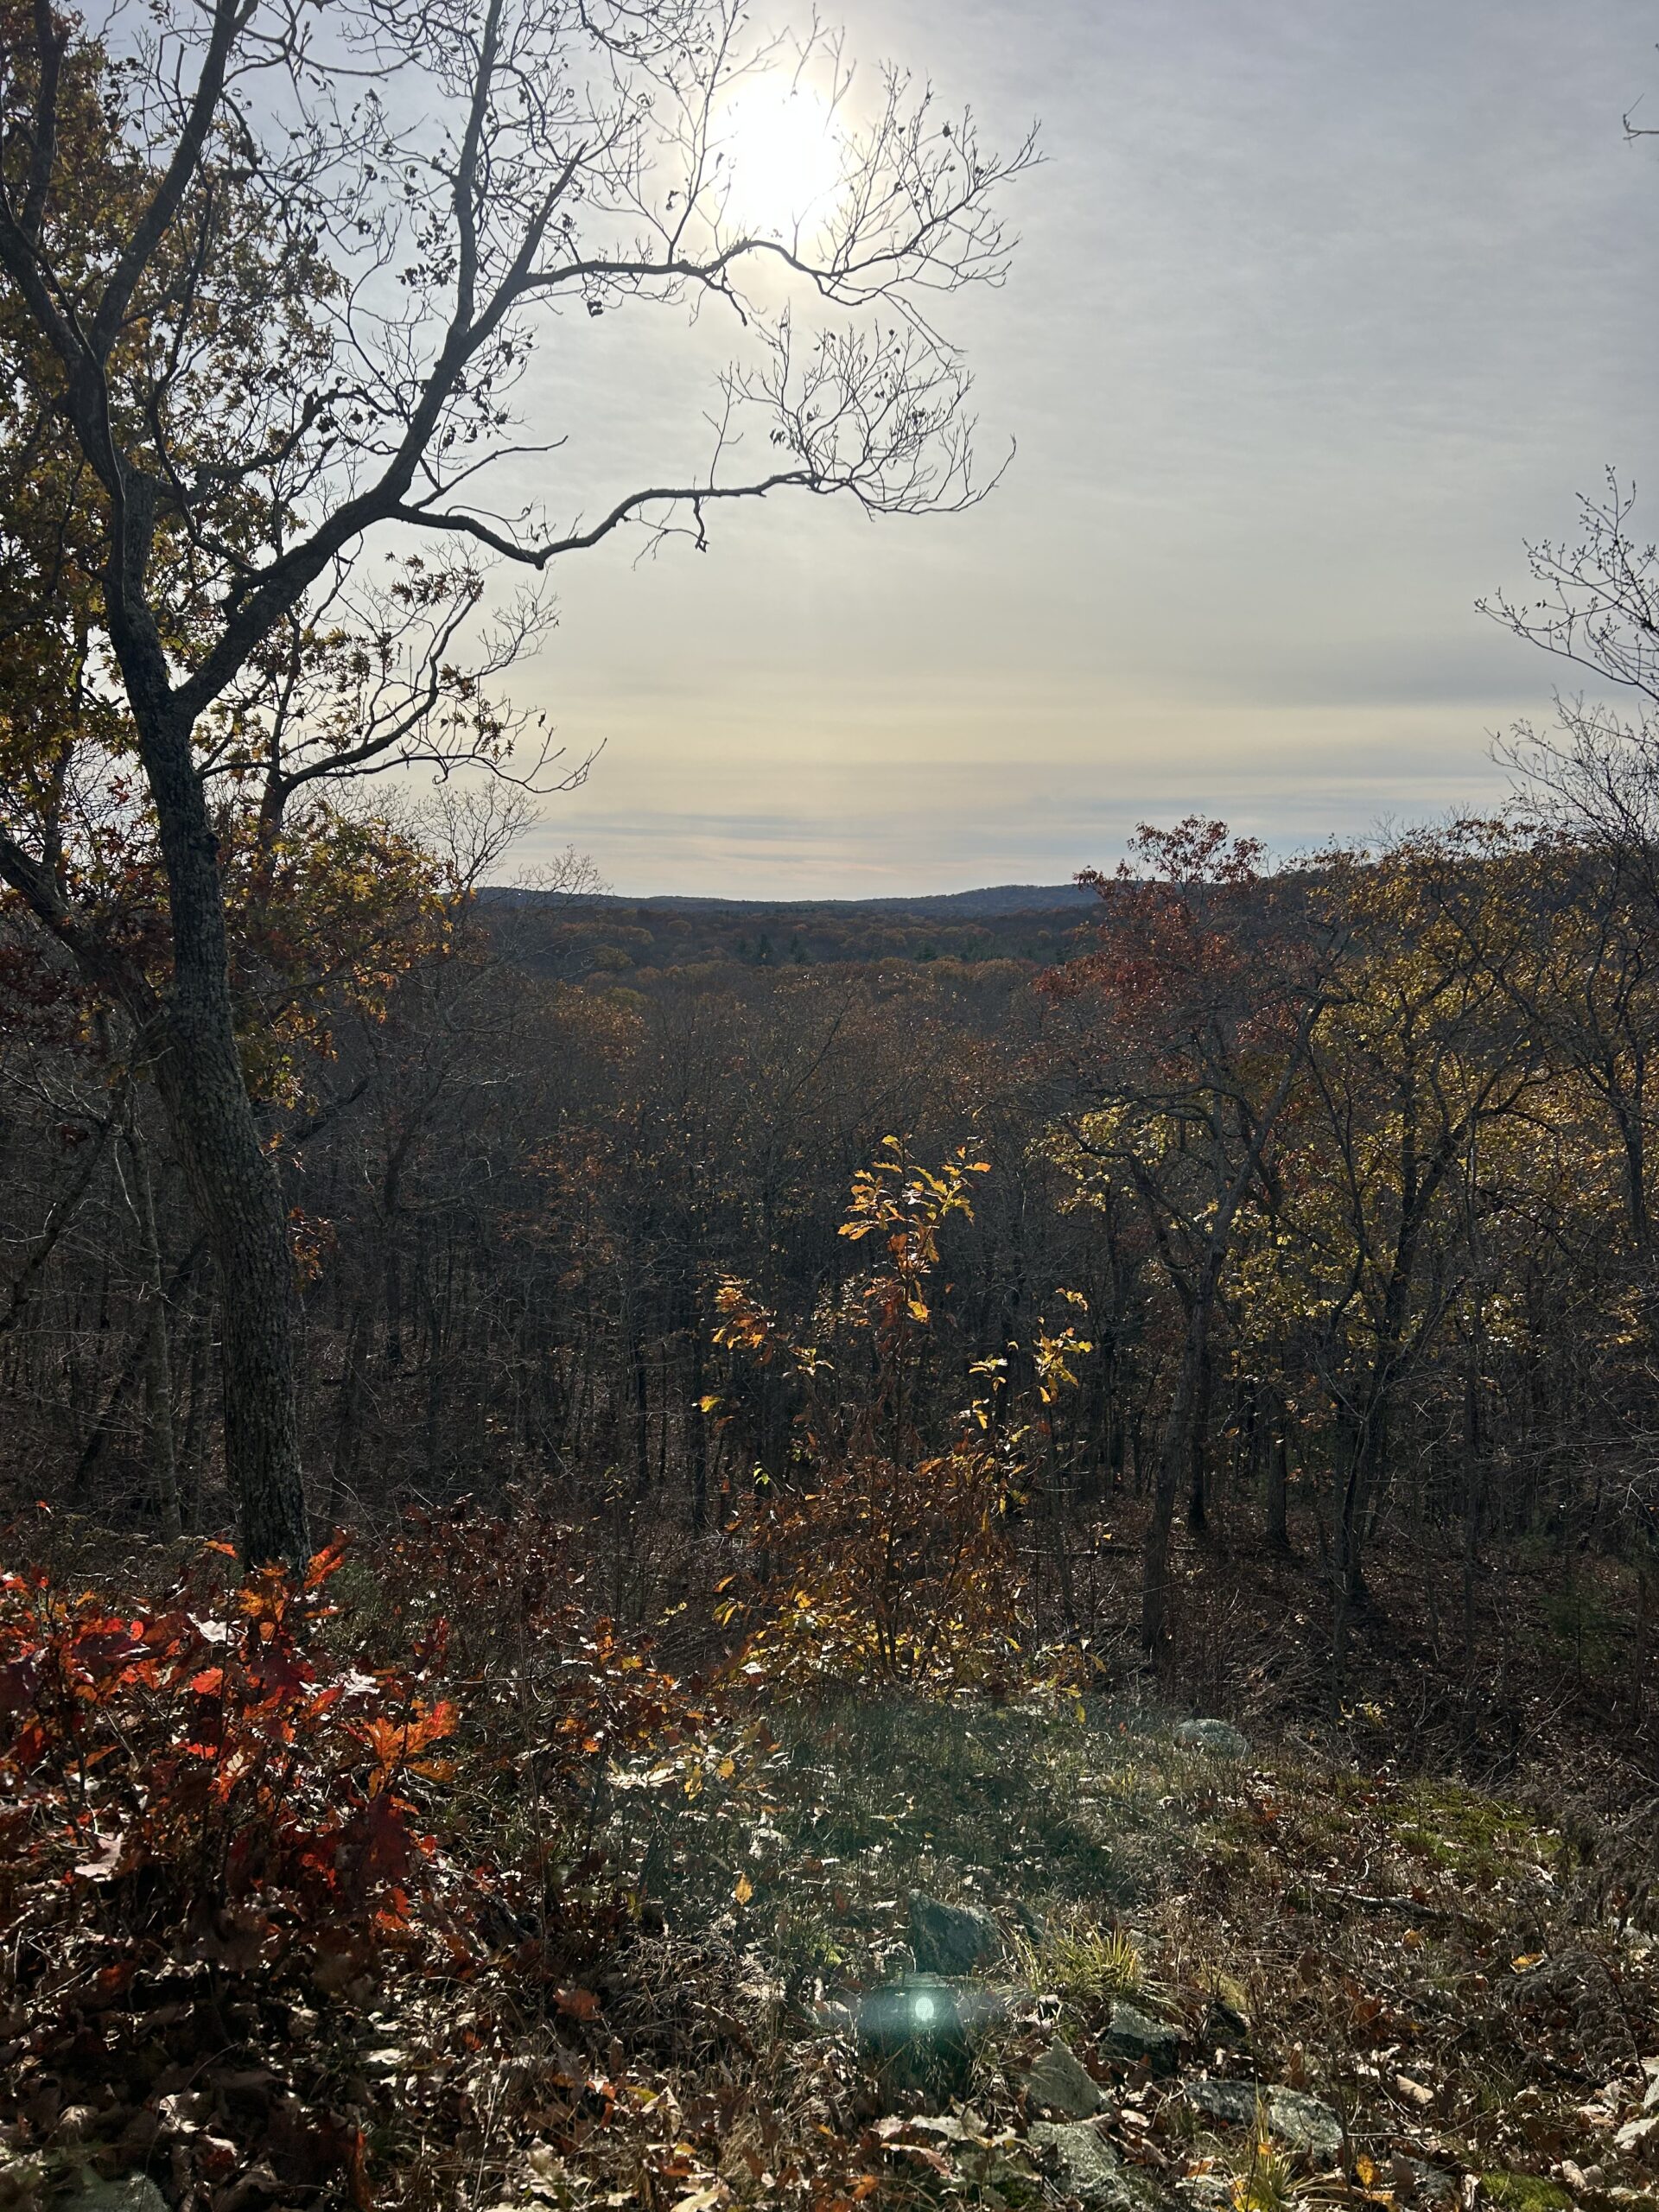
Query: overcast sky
x=1322, y=307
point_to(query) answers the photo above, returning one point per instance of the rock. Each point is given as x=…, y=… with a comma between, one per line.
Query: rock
x=1210, y=2192
x=1135, y=2037
x=1299, y=2122
x=950, y=1938
x=128, y=2193
x=1058, y=2084
x=1219, y=1737
x=1084, y=2165
x=1416, y=2182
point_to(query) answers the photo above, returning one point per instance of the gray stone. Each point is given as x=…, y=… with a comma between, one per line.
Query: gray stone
x=1133, y=2037
x=1210, y=2192
x=951, y=1938
x=1058, y=2084
x=1300, y=2123
x=1417, y=2181
x=1083, y=2165
x=1219, y=1737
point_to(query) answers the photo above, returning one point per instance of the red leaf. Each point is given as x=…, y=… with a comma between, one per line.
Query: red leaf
x=324, y=1563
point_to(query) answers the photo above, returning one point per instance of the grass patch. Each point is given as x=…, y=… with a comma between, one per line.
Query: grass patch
x=1525, y=2193
x=1084, y=1961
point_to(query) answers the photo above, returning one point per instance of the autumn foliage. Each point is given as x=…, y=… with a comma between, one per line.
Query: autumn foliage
x=215, y=1757
x=882, y=1553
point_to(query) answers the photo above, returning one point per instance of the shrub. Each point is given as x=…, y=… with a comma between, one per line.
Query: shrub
x=211, y=1755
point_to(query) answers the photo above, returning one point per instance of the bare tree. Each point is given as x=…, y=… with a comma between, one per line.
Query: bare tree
x=274, y=275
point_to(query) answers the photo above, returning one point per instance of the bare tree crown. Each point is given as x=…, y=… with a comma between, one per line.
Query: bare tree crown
x=305, y=316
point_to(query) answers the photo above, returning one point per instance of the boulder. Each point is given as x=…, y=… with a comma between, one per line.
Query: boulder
x=1300, y=2123
x=1084, y=2165
x=951, y=1938
x=1058, y=2084
x=1134, y=2038
x=1219, y=1737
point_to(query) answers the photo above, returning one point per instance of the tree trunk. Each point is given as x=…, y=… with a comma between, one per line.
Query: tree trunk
x=1198, y=1504
x=232, y=1177
x=1175, y=1465
x=160, y=1442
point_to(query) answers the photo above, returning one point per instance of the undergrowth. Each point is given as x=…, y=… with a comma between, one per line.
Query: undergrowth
x=418, y=1881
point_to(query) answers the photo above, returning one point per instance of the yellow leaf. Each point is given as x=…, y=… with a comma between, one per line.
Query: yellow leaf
x=707, y=1405
x=744, y=1890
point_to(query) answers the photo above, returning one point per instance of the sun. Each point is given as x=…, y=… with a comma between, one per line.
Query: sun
x=782, y=156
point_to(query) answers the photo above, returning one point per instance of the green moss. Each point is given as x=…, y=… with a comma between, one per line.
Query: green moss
x=1464, y=1832
x=1525, y=2193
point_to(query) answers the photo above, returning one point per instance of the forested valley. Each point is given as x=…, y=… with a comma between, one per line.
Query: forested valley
x=1297, y=1218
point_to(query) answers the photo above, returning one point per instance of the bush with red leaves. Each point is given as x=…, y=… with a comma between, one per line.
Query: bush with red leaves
x=199, y=1756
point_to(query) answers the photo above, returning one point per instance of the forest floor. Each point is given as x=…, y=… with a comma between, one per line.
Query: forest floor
x=1288, y=1970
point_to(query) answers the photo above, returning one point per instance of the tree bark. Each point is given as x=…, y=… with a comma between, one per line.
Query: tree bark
x=1174, y=1463
x=232, y=1177
x=159, y=1441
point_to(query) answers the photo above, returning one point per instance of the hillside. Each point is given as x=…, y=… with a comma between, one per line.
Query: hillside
x=575, y=939
x=996, y=899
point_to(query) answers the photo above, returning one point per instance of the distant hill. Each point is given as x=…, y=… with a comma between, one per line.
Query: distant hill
x=612, y=940
x=965, y=906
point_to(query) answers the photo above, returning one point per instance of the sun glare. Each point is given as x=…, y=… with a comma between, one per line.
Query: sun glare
x=782, y=156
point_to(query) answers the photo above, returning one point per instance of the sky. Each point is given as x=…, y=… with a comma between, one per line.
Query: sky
x=1322, y=308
